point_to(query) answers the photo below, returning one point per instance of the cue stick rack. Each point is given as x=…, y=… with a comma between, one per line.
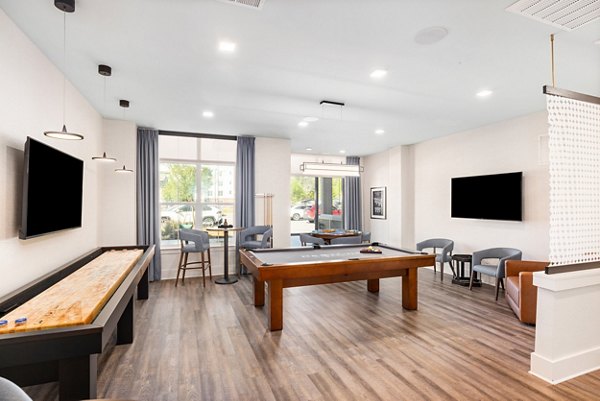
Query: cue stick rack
x=267, y=208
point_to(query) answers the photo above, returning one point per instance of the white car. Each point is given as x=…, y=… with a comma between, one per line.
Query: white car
x=184, y=214
x=298, y=212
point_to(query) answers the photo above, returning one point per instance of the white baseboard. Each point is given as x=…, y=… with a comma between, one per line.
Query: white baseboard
x=566, y=368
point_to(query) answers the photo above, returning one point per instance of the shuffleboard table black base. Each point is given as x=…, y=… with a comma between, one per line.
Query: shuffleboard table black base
x=70, y=355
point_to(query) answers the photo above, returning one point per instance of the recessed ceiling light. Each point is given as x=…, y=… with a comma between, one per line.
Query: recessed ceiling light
x=302, y=124
x=310, y=119
x=379, y=131
x=208, y=114
x=342, y=151
x=378, y=74
x=308, y=149
x=226, y=46
x=431, y=35
x=484, y=93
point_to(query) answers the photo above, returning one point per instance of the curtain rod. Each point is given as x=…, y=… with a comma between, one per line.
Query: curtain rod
x=198, y=135
x=551, y=90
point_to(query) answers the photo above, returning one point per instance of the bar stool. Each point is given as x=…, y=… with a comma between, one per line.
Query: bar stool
x=194, y=241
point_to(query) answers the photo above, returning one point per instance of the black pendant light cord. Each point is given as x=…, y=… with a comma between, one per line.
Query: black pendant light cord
x=64, y=68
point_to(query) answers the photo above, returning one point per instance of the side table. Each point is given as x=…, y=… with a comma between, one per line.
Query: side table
x=459, y=261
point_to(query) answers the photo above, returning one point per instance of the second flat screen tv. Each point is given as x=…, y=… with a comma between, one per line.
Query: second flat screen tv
x=490, y=197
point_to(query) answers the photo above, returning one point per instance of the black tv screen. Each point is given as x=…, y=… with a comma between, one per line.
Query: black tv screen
x=491, y=197
x=52, y=190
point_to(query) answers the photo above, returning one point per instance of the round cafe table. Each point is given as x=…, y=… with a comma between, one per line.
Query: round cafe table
x=226, y=230
x=328, y=236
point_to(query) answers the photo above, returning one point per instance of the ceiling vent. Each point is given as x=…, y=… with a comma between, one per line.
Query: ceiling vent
x=256, y=4
x=564, y=14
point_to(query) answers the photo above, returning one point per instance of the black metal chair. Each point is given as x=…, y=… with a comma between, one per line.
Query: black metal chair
x=194, y=241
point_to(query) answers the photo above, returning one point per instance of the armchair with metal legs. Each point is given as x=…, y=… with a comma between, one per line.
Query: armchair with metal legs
x=496, y=269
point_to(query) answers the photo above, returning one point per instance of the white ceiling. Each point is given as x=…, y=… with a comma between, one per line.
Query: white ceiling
x=292, y=54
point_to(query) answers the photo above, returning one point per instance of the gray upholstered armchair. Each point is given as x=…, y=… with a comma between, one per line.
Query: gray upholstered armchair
x=309, y=239
x=445, y=255
x=496, y=270
x=11, y=392
x=248, y=238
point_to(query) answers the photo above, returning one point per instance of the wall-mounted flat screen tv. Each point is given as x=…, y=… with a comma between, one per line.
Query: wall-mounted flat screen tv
x=52, y=190
x=490, y=197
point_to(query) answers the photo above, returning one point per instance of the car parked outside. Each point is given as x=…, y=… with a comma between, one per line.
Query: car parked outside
x=310, y=212
x=298, y=212
x=185, y=215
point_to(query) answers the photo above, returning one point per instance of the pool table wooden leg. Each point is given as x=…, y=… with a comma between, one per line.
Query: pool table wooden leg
x=259, y=292
x=275, y=305
x=373, y=285
x=409, y=289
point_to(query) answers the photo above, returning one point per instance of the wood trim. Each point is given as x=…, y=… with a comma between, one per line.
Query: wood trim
x=572, y=268
x=551, y=90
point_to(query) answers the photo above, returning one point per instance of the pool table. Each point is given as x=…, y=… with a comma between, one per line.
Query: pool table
x=294, y=267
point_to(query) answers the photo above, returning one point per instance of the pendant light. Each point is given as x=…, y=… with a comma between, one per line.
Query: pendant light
x=66, y=6
x=105, y=71
x=123, y=170
x=124, y=104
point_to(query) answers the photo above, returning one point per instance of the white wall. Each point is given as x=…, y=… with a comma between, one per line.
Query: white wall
x=500, y=148
x=423, y=172
x=391, y=169
x=31, y=103
x=117, y=206
x=272, y=170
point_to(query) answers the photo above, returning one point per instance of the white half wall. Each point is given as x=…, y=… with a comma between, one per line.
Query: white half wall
x=566, y=337
x=31, y=103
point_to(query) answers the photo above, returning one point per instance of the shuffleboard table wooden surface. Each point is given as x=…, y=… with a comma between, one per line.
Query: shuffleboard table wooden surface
x=72, y=312
x=293, y=267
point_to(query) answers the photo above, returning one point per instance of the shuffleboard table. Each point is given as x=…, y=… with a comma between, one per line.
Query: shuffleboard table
x=71, y=314
x=294, y=267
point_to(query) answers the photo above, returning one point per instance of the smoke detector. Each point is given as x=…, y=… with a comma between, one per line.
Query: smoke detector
x=256, y=4
x=564, y=14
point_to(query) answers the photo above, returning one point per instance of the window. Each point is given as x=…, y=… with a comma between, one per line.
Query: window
x=306, y=214
x=192, y=170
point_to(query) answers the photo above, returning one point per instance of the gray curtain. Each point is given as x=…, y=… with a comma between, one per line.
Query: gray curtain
x=244, y=188
x=352, y=196
x=244, y=184
x=148, y=208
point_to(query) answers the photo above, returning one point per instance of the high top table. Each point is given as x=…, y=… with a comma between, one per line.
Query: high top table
x=226, y=230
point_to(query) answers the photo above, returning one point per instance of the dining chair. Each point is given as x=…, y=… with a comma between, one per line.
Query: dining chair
x=355, y=239
x=307, y=239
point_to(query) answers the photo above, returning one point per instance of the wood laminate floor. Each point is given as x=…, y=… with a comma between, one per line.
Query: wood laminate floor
x=339, y=342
